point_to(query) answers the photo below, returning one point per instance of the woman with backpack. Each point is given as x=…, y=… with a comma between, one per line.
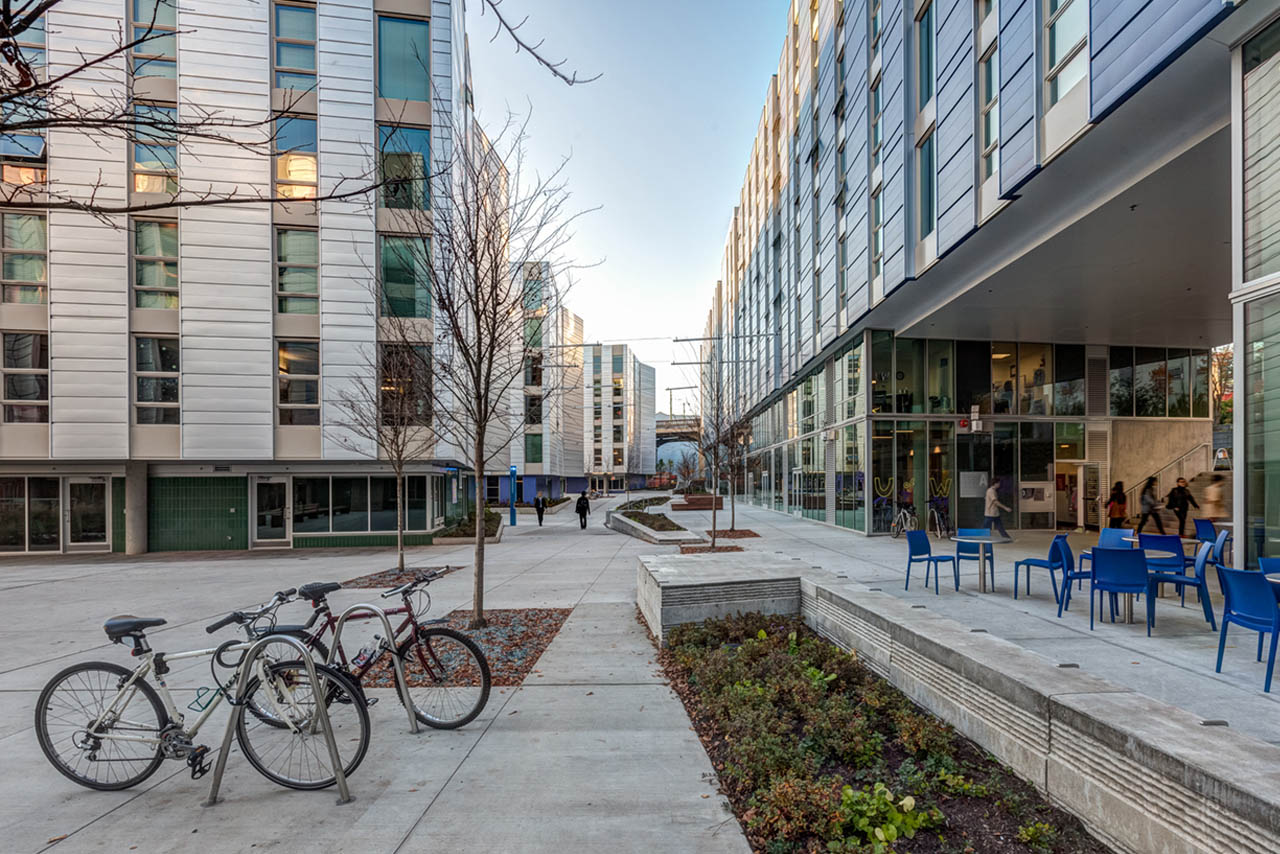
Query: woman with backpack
x=1150, y=506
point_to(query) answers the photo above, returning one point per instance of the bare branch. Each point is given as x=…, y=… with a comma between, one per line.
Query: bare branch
x=556, y=67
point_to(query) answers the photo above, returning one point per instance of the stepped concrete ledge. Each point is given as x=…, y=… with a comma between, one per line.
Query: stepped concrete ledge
x=615, y=521
x=1143, y=775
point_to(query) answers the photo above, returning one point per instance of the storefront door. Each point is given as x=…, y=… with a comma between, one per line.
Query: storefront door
x=271, y=511
x=86, y=514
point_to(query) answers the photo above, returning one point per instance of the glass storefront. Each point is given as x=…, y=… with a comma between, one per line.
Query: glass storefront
x=1261, y=387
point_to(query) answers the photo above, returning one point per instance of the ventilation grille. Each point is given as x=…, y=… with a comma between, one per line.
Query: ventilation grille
x=1096, y=382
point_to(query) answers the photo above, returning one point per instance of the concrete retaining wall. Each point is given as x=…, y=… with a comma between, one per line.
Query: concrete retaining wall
x=465, y=541
x=615, y=521
x=1144, y=776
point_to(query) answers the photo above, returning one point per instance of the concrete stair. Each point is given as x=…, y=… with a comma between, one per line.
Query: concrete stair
x=1197, y=485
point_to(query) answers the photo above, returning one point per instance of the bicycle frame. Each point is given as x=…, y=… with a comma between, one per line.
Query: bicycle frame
x=330, y=624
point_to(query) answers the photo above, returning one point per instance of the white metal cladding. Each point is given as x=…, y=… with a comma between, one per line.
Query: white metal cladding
x=348, y=245
x=225, y=261
x=88, y=261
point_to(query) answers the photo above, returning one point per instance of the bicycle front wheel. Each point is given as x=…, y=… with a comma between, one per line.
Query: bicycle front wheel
x=97, y=748
x=448, y=677
x=288, y=746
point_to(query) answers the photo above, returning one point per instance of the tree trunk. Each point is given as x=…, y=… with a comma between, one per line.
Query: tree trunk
x=733, y=507
x=400, y=522
x=715, y=493
x=477, y=613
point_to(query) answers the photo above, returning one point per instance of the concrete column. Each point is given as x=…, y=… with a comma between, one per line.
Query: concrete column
x=135, y=508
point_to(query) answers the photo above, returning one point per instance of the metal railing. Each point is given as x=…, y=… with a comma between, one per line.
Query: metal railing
x=1168, y=476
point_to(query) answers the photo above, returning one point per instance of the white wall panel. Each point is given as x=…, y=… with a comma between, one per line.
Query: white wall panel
x=228, y=363
x=88, y=278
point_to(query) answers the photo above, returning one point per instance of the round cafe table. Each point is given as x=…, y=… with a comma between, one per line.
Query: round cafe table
x=983, y=540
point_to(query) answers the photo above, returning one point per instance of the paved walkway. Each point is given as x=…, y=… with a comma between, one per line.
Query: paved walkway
x=1174, y=665
x=593, y=753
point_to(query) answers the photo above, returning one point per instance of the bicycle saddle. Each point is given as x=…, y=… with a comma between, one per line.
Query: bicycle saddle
x=127, y=624
x=317, y=590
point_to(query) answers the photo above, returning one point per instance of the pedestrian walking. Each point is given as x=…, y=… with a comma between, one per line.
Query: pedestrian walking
x=540, y=507
x=1180, y=501
x=1150, y=505
x=991, y=513
x=1215, y=509
x=583, y=507
x=1117, y=506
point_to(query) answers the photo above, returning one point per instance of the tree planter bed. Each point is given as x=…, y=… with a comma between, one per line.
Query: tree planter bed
x=736, y=534
x=702, y=550
x=698, y=502
x=623, y=524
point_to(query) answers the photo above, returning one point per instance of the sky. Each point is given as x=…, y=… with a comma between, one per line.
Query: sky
x=659, y=144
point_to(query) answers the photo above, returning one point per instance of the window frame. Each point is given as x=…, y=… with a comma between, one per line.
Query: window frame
x=176, y=260
x=283, y=375
x=140, y=59
x=139, y=374
x=875, y=109
x=875, y=28
x=158, y=140
x=923, y=98
x=277, y=183
x=279, y=265
x=7, y=285
x=384, y=304
x=377, y=65
x=277, y=39
x=989, y=102
x=928, y=139
x=877, y=232
x=420, y=187
x=1051, y=74
x=8, y=403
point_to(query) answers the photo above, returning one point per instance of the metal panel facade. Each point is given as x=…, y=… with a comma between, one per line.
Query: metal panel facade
x=957, y=106
x=1019, y=94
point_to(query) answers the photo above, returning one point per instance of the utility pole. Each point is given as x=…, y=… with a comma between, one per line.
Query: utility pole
x=671, y=410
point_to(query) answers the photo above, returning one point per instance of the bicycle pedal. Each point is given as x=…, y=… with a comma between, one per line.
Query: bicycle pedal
x=371, y=701
x=195, y=760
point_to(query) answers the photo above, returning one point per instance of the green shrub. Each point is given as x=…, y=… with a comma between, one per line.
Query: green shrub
x=791, y=808
x=1039, y=835
x=873, y=817
x=836, y=727
x=754, y=759
x=921, y=735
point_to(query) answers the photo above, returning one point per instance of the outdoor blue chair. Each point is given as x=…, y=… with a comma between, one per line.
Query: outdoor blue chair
x=1053, y=563
x=1108, y=538
x=1184, y=581
x=1220, y=547
x=1117, y=571
x=920, y=551
x=1205, y=532
x=1070, y=574
x=1176, y=565
x=974, y=551
x=1251, y=604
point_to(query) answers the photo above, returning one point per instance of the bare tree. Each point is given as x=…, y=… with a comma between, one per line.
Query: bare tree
x=686, y=468
x=534, y=49
x=1221, y=381
x=733, y=460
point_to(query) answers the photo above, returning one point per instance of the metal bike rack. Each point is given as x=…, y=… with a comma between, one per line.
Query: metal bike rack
x=322, y=712
x=387, y=639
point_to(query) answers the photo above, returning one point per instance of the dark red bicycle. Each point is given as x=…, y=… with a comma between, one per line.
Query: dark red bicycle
x=447, y=672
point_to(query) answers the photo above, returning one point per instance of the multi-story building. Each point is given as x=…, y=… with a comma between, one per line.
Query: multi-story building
x=172, y=379
x=619, y=432
x=545, y=422
x=994, y=241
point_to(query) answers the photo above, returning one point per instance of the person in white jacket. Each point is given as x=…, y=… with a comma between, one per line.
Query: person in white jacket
x=991, y=512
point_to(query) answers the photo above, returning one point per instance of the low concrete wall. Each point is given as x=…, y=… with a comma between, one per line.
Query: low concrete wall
x=1144, y=776
x=615, y=521
x=529, y=511
x=465, y=541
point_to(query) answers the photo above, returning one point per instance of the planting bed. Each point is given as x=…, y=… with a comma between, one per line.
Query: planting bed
x=653, y=521
x=736, y=534
x=816, y=753
x=644, y=503
x=703, y=550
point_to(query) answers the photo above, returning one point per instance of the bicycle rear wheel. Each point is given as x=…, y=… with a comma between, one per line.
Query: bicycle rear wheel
x=288, y=747
x=448, y=677
x=65, y=714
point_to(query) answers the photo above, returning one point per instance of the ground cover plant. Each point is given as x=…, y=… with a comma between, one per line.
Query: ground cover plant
x=645, y=503
x=653, y=521
x=818, y=754
x=466, y=526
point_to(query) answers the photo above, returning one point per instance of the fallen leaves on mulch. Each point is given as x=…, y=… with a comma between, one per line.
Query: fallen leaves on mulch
x=387, y=578
x=736, y=534
x=512, y=642
x=701, y=550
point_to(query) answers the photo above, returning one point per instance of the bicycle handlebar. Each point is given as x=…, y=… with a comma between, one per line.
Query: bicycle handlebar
x=242, y=617
x=233, y=617
x=421, y=579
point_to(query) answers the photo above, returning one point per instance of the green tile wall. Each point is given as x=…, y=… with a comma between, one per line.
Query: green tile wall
x=342, y=541
x=117, y=514
x=196, y=513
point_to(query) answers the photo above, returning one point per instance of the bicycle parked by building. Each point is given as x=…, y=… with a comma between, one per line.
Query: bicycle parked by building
x=905, y=520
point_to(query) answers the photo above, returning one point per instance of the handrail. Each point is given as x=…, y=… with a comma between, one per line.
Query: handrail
x=1132, y=493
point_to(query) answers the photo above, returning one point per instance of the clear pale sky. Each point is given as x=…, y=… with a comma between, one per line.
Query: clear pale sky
x=659, y=143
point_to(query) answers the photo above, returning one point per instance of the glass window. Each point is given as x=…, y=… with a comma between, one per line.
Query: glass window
x=882, y=477
x=1178, y=371
x=928, y=189
x=908, y=387
x=533, y=375
x=310, y=505
x=973, y=376
x=912, y=456
x=851, y=494
x=1121, y=381
x=295, y=47
x=297, y=271
x=154, y=51
x=155, y=149
x=1036, y=451
x=877, y=233
x=44, y=522
x=31, y=41
x=26, y=377
x=350, y=504
x=882, y=380
x=155, y=263
x=405, y=384
x=1004, y=378
x=942, y=465
x=941, y=377
x=533, y=409
x=1068, y=379
x=1035, y=373
x=406, y=279
x=25, y=262
x=157, y=380
x=985, y=8
x=617, y=364
x=989, y=83
x=533, y=338
x=298, y=368
x=1069, y=437
x=416, y=503
x=13, y=514
x=532, y=283
x=1068, y=61
x=382, y=504
x=404, y=159
x=849, y=394
x=1150, y=381
x=1200, y=383
x=404, y=59
x=925, y=57
x=296, y=166
x=1261, y=388
x=875, y=109
x=874, y=10
x=1261, y=111
x=533, y=446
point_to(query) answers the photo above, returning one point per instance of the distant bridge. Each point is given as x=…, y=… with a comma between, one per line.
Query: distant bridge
x=684, y=429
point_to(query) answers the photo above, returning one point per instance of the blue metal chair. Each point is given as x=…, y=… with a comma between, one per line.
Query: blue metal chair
x=1118, y=571
x=1176, y=565
x=1184, y=581
x=975, y=551
x=1205, y=531
x=1053, y=563
x=1070, y=574
x=1220, y=547
x=920, y=551
x=1108, y=538
x=1250, y=604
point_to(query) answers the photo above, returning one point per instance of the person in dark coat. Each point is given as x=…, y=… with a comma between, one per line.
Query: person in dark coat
x=1150, y=506
x=1180, y=501
x=540, y=507
x=583, y=507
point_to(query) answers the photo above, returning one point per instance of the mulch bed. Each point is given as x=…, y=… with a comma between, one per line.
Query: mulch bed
x=736, y=534
x=385, y=579
x=702, y=550
x=513, y=641
x=653, y=521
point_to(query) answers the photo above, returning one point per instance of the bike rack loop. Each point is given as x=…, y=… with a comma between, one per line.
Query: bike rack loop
x=388, y=638
x=250, y=657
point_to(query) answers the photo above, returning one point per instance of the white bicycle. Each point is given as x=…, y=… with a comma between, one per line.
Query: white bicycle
x=106, y=727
